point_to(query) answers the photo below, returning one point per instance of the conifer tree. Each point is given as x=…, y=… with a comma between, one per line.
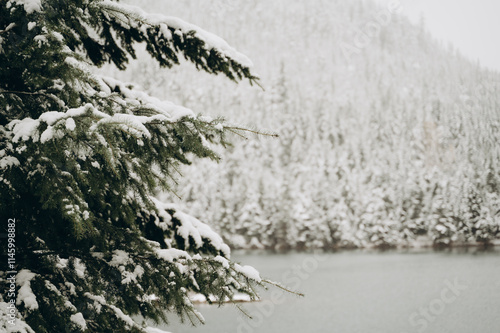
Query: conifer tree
x=81, y=156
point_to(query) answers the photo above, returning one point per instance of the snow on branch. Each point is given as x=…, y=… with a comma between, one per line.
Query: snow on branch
x=30, y=6
x=165, y=22
x=99, y=302
x=190, y=227
x=248, y=271
x=166, y=112
x=7, y=161
x=18, y=325
x=25, y=294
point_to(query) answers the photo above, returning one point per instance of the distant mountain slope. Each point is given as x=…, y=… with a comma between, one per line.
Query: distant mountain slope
x=387, y=138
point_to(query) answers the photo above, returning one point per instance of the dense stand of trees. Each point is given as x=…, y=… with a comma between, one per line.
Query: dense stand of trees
x=395, y=144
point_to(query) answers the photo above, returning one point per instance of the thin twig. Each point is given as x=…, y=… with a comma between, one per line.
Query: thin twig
x=239, y=307
x=22, y=92
x=283, y=288
x=234, y=132
x=274, y=135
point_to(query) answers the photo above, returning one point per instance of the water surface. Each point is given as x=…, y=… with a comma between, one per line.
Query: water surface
x=367, y=292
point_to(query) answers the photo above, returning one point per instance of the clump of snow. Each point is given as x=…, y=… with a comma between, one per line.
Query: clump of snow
x=71, y=287
x=223, y=261
x=8, y=161
x=62, y=263
x=50, y=133
x=130, y=123
x=192, y=227
x=248, y=271
x=70, y=306
x=70, y=124
x=98, y=301
x=51, y=117
x=120, y=315
x=119, y=258
x=27, y=128
x=10, y=26
x=57, y=36
x=80, y=268
x=51, y=287
x=30, y=6
x=25, y=294
x=40, y=39
x=78, y=319
x=132, y=276
x=171, y=255
x=24, y=129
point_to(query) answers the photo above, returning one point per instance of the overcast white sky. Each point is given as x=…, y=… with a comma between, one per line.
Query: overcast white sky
x=473, y=26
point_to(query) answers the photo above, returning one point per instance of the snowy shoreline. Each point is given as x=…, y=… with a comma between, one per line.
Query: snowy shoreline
x=424, y=245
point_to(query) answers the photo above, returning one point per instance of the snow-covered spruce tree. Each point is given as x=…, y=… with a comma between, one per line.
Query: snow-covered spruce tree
x=82, y=155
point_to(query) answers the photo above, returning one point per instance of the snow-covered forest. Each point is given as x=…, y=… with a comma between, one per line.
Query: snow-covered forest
x=137, y=149
x=387, y=138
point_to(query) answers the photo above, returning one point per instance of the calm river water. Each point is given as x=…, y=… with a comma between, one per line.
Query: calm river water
x=367, y=292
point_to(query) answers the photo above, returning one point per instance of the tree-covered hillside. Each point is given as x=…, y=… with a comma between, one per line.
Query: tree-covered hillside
x=387, y=137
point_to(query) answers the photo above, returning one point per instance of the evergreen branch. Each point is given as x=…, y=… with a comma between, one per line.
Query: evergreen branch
x=283, y=288
x=233, y=129
x=191, y=309
x=84, y=184
x=256, y=81
x=113, y=7
x=251, y=288
x=173, y=192
x=239, y=307
x=233, y=64
x=23, y=93
x=238, y=134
